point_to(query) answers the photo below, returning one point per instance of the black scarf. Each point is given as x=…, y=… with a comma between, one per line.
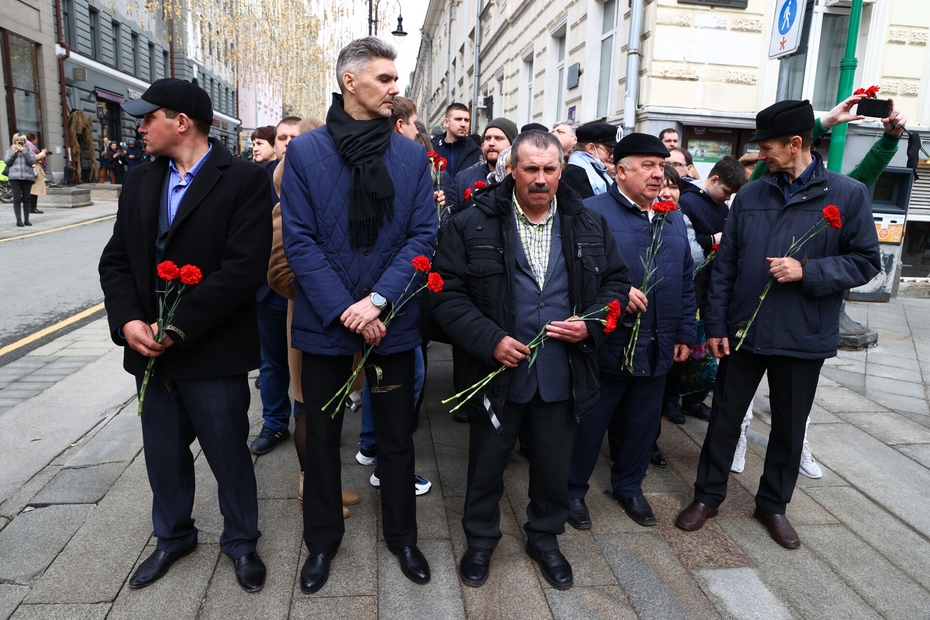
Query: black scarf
x=361, y=144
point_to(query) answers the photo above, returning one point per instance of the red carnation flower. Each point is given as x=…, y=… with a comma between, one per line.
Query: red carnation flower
x=664, y=207
x=479, y=184
x=467, y=193
x=441, y=163
x=613, y=309
x=168, y=271
x=191, y=275
x=610, y=324
x=434, y=282
x=832, y=215
x=860, y=91
x=432, y=155
x=872, y=91
x=714, y=247
x=420, y=263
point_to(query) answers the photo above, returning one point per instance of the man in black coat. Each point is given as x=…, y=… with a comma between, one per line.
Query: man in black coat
x=527, y=255
x=459, y=151
x=196, y=205
x=795, y=328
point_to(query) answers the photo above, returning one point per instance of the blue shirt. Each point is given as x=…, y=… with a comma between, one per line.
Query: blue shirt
x=792, y=187
x=177, y=186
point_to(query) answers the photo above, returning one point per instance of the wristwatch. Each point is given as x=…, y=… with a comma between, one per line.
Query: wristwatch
x=378, y=300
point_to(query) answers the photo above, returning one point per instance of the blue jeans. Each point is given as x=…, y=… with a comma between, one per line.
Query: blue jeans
x=366, y=439
x=275, y=376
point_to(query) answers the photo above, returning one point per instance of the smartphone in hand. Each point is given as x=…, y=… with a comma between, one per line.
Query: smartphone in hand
x=876, y=108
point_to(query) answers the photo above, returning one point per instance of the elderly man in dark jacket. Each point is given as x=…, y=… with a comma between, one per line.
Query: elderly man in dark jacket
x=667, y=330
x=357, y=207
x=797, y=322
x=527, y=255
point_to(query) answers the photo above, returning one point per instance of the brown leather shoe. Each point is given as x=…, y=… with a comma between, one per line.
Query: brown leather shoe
x=345, y=512
x=779, y=528
x=350, y=498
x=694, y=516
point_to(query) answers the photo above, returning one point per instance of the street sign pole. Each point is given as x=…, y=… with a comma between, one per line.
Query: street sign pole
x=847, y=75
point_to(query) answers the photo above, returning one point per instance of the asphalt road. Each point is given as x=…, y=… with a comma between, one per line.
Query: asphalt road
x=48, y=278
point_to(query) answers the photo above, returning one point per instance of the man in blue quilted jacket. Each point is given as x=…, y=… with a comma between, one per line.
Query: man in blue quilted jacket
x=797, y=322
x=357, y=207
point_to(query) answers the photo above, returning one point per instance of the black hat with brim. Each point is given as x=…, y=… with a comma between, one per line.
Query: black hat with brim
x=600, y=132
x=785, y=118
x=640, y=144
x=172, y=94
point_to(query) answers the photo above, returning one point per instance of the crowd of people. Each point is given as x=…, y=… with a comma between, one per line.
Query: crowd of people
x=24, y=167
x=608, y=247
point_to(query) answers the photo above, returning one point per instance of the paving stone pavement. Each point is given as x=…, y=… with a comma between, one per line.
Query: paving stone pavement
x=74, y=530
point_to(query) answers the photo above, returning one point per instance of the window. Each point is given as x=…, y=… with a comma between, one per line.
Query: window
x=94, y=33
x=608, y=30
x=136, y=59
x=560, y=86
x=24, y=109
x=67, y=10
x=528, y=87
x=152, y=60
x=117, y=47
x=166, y=64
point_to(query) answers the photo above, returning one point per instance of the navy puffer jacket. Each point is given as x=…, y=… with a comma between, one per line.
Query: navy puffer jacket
x=670, y=314
x=330, y=274
x=797, y=319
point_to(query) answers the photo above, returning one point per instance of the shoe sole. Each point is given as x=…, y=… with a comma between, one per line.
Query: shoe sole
x=471, y=583
x=550, y=581
x=676, y=421
x=419, y=489
x=317, y=587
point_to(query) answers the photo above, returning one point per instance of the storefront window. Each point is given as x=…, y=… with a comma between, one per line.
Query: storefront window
x=24, y=107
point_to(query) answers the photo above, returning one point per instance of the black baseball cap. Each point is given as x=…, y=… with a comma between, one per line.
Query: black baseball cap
x=173, y=94
x=600, y=132
x=785, y=118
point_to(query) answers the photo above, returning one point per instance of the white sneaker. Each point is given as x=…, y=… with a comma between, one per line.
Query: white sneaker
x=354, y=401
x=809, y=466
x=364, y=460
x=421, y=484
x=739, y=457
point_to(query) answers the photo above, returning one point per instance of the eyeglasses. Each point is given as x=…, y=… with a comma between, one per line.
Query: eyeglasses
x=679, y=164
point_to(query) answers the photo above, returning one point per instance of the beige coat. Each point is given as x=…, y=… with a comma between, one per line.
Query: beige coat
x=38, y=186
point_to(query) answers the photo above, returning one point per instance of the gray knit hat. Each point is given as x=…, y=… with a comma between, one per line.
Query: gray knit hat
x=506, y=125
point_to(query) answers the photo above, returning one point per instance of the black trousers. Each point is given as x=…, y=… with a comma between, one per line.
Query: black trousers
x=21, y=198
x=392, y=405
x=792, y=385
x=552, y=431
x=215, y=411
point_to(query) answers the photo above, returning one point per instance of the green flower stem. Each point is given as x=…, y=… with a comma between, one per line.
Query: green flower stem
x=159, y=335
x=755, y=312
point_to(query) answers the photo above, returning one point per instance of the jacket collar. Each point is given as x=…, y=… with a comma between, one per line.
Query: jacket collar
x=498, y=199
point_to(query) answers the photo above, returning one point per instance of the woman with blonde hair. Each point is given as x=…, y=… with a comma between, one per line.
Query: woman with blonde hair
x=19, y=160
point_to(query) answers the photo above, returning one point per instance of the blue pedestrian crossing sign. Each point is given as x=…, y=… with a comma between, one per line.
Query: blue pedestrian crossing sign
x=787, y=24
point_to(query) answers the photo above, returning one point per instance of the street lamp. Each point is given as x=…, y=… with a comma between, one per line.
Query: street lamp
x=398, y=32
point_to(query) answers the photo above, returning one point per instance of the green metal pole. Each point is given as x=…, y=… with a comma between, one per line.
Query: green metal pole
x=847, y=75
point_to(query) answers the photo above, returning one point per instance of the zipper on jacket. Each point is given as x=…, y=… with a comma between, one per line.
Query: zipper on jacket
x=488, y=247
x=587, y=244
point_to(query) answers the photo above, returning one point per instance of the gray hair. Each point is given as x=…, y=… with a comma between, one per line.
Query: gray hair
x=538, y=139
x=503, y=160
x=18, y=136
x=571, y=125
x=358, y=53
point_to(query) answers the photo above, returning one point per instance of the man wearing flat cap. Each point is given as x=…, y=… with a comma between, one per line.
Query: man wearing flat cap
x=587, y=172
x=195, y=204
x=667, y=331
x=797, y=322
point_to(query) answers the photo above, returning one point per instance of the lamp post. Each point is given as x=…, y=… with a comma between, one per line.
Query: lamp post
x=398, y=32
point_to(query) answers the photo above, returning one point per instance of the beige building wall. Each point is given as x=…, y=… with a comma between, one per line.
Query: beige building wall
x=700, y=65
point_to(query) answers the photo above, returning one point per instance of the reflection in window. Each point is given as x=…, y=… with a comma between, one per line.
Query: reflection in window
x=22, y=85
x=832, y=48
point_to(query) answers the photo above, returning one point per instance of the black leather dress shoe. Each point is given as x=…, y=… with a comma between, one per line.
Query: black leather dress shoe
x=475, y=566
x=555, y=568
x=673, y=412
x=36, y=211
x=413, y=564
x=638, y=509
x=155, y=566
x=578, y=516
x=658, y=460
x=699, y=411
x=250, y=572
x=315, y=572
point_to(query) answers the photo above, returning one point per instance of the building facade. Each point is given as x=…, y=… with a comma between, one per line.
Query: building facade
x=704, y=69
